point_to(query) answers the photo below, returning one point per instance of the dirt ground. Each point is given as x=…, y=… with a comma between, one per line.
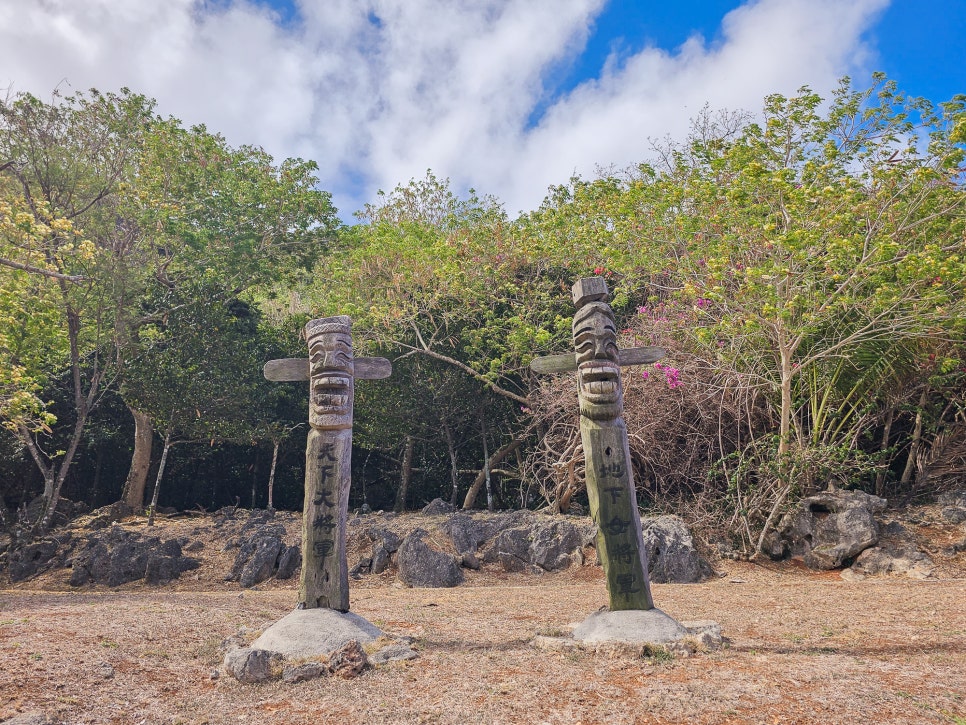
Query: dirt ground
x=804, y=647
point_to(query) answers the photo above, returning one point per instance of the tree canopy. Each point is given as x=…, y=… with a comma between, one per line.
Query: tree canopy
x=804, y=267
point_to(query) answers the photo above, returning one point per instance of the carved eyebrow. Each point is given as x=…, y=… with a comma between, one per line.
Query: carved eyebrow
x=608, y=327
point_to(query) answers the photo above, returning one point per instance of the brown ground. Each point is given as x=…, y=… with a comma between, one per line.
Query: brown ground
x=805, y=647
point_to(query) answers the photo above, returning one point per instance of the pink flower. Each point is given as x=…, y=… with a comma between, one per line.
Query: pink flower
x=673, y=377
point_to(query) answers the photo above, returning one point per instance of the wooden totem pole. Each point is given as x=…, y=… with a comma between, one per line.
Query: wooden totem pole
x=610, y=483
x=331, y=371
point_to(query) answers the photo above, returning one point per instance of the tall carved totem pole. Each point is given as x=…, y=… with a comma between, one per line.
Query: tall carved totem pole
x=331, y=371
x=610, y=483
x=328, y=465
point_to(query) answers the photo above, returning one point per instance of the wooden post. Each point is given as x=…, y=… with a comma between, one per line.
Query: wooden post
x=331, y=371
x=610, y=482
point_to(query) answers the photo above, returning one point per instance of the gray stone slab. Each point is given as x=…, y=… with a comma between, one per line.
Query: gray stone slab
x=644, y=626
x=315, y=632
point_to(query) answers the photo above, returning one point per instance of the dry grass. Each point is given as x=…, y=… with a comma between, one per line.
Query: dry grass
x=805, y=647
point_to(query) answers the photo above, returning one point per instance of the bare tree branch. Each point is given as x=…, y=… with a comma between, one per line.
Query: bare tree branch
x=73, y=278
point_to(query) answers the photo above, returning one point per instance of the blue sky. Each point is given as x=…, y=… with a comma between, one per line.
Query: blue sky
x=506, y=96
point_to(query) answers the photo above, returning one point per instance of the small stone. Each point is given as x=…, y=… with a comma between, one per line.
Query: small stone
x=850, y=575
x=954, y=514
x=28, y=718
x=706, y=632
x=349, y=660
x=393, y=653
x=304, y=672
x=249, y=665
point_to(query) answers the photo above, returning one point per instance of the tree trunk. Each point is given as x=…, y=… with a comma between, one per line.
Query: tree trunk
x=880, y=477
x=254, y=481
x=486, y=467
x=784, y=430
x=157, y=482
x=481, y=476
x=271, y=474
x=405, y=475
x=916, y=440
x=137, y=476
x=82, y=409
x=54, y=482
x=454, y=469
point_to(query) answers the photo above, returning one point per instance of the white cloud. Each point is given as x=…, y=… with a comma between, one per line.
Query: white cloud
x=377, y=92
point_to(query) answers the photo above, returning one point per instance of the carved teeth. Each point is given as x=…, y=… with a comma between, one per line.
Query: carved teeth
x=600, y=382
x=333, y=401
x=331, y=380
x=600, y=387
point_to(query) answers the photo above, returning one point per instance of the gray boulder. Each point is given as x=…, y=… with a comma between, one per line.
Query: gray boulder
x=552, y=544
x=381, y=558
x=29, y=718
x=249, y=665
x=116, y=556
x=828, y=530
x=289, y=562
x=466, y=532
x=303, y=672
x=650, y=626
x=260, y=554
x=419, y=565
x=36, y=557
x=671, y=556
x=388, y=538
x=905, y=561
x=438, y=507
x=385, y=543
x=313, y=633
x=953, y=498
x=511, y=549
x=395, y=652
x=540, y=544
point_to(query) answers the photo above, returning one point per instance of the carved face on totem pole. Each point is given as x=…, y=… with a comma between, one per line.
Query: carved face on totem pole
x=331, y=372
x=598, y=370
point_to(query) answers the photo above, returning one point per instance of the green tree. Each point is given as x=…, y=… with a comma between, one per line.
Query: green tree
x=104, y=207
x=61, y=164
x=196, y=372
x=431, y=275
x=815, y=260
x=232, y=215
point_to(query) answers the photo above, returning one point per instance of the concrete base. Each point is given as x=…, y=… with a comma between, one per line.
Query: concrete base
x=315, y=632
x=637, y=626
x=637, y=633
